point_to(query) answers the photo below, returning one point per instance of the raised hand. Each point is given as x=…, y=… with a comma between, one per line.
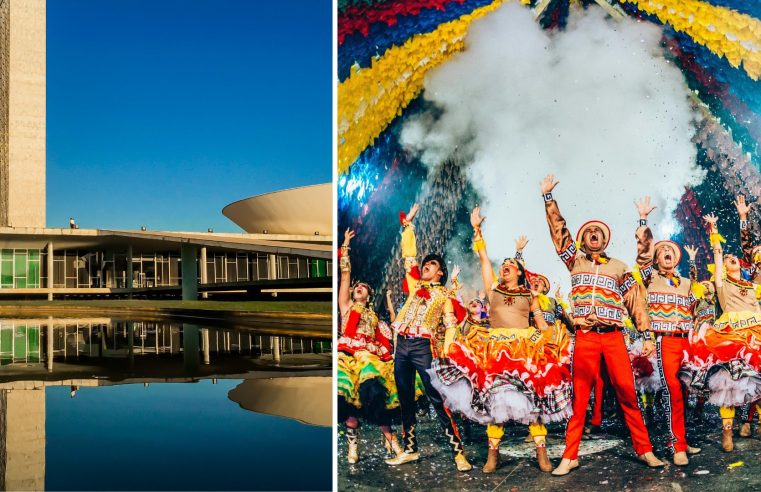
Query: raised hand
x=456, y=271
x=558, y=293
x=692, y=251
x=548, y=184
x=643, y=207
x=521, y=243
x=348, y=236
x=413, y=212
x=475, y=218
x=711, y=220
x=742, y=208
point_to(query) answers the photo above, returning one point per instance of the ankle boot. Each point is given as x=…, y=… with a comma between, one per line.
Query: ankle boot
x=492, y=461
x=352, y=437
x=745, y=429
x=393, y=446
x=542, y=459
x=410, y=451
x=458, y=452
x=726, y=440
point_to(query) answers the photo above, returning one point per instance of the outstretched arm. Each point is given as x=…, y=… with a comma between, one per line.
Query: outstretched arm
x=644, y=240
x=561, y=237
x=487, y=272
x=692, y=251
x=344, y=294
x=409, y=248
x=746, y=239
x=390, y=306
x=718, y=253
x=520, y=245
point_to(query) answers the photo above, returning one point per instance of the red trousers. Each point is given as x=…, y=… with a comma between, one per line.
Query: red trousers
x=670, y=356
x=599, y=396
x=588, y=349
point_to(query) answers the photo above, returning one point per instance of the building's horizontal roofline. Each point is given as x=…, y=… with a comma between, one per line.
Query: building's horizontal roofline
x=36, y=237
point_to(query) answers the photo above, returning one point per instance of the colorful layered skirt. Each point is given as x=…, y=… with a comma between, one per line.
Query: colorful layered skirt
x=497, y=375
x=366, y=388
x=726, y=359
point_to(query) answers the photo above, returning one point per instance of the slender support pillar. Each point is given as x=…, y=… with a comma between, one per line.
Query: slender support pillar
x=131, y=343
x=190, y=354
x=276, y=348
x=49, y=281
x=130, y=273
x=206, y=348
x=189, y=255
x=49, y=336
x=273, y=267
x=204, y=272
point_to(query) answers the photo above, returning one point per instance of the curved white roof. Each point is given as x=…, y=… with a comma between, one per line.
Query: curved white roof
x=298, y=211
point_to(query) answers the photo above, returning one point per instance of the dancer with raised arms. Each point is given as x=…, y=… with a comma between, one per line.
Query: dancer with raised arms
x=602, y=292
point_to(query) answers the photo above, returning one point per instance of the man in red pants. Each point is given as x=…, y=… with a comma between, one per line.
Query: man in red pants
x=672, y=302
x=602, y=291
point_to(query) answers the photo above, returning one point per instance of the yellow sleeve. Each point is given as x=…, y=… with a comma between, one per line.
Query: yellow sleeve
x=409, y=243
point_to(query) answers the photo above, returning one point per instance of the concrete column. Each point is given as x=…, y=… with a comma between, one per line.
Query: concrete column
x=189, y=255
x=49, y=283
x=131, y=343
x=190, y=354
x=130, y=273
x=276, y=349
x=206, y=348
x=49, y=335
x=273, y=266
x=204, y=272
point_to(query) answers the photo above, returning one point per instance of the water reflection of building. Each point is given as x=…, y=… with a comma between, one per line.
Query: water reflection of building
x=84, y=354
x=22, y=439
x=308, y=399
x=47, y=341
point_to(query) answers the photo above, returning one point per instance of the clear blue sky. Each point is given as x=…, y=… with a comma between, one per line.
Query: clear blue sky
x=161, y=112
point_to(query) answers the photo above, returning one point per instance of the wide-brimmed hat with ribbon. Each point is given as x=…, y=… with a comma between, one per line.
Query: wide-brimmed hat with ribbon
x=669, y=244
x=594, y=223
x=530, y=276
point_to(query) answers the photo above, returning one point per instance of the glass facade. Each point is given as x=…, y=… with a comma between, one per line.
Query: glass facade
x=78, y=269
x=20, y=268
x=19, y=343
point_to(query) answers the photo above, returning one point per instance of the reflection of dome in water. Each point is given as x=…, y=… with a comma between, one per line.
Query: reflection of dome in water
x=306, y=399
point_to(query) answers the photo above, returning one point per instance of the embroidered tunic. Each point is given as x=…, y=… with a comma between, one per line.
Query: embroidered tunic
x=604, y=287
x=428, y=310
x=670, y=300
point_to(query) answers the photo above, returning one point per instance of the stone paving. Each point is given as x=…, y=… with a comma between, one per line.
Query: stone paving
x=607, y=462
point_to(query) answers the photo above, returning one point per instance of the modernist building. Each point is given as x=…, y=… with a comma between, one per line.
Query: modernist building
x=286, y=246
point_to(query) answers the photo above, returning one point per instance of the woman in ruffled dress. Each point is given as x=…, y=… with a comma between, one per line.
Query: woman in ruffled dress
x=510, y=371
x=728, y=352
x=366, y=387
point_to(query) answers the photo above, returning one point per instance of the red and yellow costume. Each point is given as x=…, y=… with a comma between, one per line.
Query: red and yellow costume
x=509, y=372
x=727, y=353
x=364, y=356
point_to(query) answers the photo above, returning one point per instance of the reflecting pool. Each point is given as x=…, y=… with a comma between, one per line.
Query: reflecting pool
x=109, y=404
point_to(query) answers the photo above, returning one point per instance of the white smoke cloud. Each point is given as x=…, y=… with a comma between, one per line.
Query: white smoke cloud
x=597, y=105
